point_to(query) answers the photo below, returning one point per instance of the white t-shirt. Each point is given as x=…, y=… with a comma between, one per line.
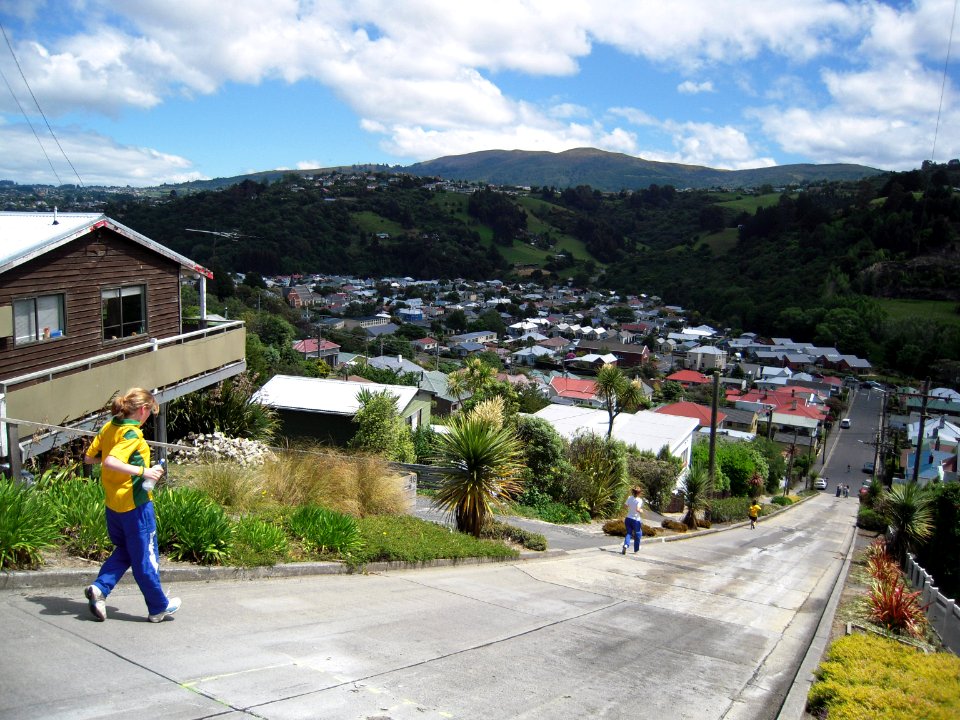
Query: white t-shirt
x=634, y=505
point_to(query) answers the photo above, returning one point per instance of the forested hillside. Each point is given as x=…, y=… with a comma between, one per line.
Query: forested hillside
x=813, y=263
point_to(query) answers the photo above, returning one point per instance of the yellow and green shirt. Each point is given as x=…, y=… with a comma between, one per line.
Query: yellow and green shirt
x=123, y=439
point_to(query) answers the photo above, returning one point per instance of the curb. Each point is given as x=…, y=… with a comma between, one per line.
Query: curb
x=794, y=705
x=33, y=579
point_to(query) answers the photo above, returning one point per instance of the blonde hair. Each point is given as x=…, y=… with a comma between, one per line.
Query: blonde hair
x=135, y=398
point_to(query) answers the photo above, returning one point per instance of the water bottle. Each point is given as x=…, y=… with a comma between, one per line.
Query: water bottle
x=148, y=484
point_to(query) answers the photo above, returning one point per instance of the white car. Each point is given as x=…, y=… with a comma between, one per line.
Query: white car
x=845, y=423
x=820, y=484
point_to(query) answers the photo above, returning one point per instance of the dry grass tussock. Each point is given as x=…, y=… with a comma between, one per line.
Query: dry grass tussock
x=358, y=485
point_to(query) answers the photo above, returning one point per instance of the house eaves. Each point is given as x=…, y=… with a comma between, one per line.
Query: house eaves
x=25, y=236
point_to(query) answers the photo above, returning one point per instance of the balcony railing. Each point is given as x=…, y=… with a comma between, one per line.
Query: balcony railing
x=72, y=393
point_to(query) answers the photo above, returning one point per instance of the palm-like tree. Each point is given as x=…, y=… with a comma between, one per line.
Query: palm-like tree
x=696, y=491
x=483, y=462
x=617, y=391
x=906, y=507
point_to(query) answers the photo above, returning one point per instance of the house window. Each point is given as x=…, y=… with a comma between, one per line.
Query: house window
x=38, y=318
x=124, y=311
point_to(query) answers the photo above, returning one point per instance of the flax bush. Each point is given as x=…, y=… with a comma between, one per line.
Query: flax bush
x=324, y=531
x=257, y=542
x=78, y=503
x=191, y=526
x=28, y=525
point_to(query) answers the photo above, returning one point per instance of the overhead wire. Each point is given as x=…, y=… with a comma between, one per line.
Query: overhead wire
x=943, y=83
x=40, y=110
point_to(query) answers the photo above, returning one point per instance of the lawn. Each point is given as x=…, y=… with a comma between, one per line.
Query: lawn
x=943, y=311
x=750, y=203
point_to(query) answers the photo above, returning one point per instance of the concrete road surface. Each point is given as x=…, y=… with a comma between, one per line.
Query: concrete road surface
x=710, y=627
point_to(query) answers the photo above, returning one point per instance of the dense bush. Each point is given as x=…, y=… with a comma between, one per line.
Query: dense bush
x=546, y=467
x=79, y=505
x=870, y=519
x=600, y=473
x=227, y=408
x=732, y=509
x=617, y=529
x=782, y=500
x=28, y=525
x=191, y=526
x=257, y=542
x=865, y=676
x=324, y=531
x=674, y=525
x=938, y=554
x=494, y=530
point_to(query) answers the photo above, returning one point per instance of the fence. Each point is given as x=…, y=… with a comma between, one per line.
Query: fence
x=942, y=612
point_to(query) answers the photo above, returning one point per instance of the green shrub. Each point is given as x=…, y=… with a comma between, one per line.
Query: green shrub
x=600, y=473
x=79, y=506
x=732, y=509
x=257, y=542
x=28, y=525
x=324, y=531
x=191, y=526
x=227, y=408
x=865, y=676
x=495, y=530
x=408, y=539
x=782, y=500
x=870, y=519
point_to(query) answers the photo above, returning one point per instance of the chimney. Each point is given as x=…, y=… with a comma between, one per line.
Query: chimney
x=793, y=405
x=399, y=361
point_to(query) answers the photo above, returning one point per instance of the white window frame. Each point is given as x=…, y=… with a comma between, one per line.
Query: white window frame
x=39, y=318
x=125, y=327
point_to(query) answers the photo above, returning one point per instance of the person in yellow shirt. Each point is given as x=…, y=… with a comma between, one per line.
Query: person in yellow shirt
x=128, y=480
x=754, y=513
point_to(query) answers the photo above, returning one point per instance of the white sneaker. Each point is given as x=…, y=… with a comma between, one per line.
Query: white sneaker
x=172, y=607
x=98, y=606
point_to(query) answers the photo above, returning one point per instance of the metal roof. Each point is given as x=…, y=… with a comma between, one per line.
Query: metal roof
x=25, y=236
x=334, y=397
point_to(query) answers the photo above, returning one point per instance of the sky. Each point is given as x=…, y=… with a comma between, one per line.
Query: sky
x=144, y=92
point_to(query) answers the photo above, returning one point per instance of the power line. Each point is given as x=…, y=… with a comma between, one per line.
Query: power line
x=39, y=109
x=943, y=84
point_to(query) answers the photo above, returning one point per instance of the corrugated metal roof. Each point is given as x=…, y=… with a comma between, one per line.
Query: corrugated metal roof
x=336, y=397
x=25, y=236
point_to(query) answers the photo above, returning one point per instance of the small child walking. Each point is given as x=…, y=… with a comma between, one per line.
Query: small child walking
x=631, y=522
x=754, y=513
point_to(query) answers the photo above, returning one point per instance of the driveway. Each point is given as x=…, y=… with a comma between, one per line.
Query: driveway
x=709, y=627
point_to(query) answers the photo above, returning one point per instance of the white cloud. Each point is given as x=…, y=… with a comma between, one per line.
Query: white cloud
x=99, y=160
x=425, y=75
x=688, y=87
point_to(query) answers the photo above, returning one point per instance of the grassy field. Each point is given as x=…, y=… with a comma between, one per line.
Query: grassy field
x=372, y=223
x=750, y=203
x=944, y=311
x=722, y=242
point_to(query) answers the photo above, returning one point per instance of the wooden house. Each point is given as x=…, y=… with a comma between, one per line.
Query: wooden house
x=88, y=308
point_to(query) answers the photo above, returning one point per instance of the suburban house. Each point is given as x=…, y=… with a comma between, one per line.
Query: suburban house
x=480, y=337
x=426, y=344
x=319, y=349
x=322, y=409
x=89, y=308
x=688, y=378
x=628, y=355
x=644, y=430
x=573, y=391
x=701, y=413
x=706, y=357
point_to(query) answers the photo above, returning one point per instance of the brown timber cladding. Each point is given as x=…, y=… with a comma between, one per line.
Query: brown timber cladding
x=80, y=270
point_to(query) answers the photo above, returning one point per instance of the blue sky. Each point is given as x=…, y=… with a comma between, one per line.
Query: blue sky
x=142, y=92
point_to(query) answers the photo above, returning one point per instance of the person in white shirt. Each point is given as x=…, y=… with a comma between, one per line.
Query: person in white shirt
x=631, y=522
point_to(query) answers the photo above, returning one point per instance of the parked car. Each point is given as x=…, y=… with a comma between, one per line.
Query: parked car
x=868, y=468
x=820, y=483
x=845, y=423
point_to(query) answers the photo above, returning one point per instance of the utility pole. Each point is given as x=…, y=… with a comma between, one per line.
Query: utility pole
x=923, y=415
x=713, y=427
